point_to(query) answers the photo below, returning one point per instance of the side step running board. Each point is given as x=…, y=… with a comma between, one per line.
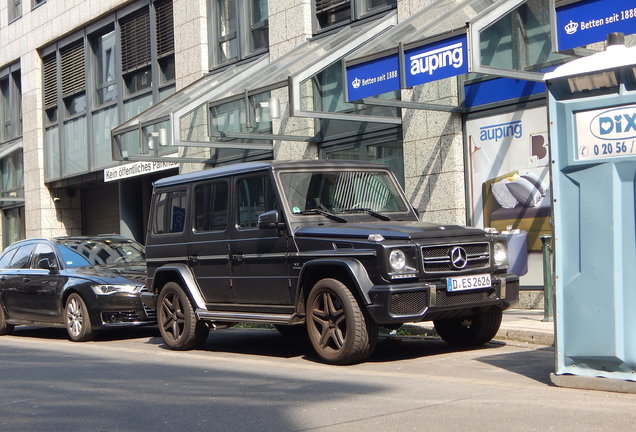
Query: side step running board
x=245, y=317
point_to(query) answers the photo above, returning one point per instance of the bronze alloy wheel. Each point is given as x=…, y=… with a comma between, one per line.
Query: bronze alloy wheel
x=177, y=321
x=338, y=329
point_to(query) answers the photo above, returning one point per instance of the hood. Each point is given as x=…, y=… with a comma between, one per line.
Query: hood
x=395, y=231
x=112, y=274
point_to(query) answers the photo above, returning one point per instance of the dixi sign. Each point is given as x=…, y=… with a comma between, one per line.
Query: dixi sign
x=606, y=132
x=436, y=61
x=443, y=59
x=585, y=22
x=615, y=124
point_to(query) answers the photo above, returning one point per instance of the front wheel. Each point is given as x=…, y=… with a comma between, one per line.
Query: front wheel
x=78, y=323
x=177, y=321
x=338, y=329
x=5, y=328
x=470, y=331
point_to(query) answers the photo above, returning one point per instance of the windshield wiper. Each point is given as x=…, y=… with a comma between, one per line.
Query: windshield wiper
x=367, y=211
x=324, y=213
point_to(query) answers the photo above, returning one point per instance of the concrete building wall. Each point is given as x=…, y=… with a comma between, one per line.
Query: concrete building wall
x=44, y=215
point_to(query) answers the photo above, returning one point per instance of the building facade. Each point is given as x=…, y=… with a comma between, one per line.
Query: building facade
x=100, y=99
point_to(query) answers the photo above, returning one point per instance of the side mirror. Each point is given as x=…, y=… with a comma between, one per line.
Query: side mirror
x=46, y=264
x=269, y=219
x=416, y=211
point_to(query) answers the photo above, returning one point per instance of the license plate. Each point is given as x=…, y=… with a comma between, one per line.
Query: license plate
x=468, y=282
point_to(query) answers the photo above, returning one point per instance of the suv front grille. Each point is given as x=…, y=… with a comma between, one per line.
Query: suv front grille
x=408, y=303
x=437, y=259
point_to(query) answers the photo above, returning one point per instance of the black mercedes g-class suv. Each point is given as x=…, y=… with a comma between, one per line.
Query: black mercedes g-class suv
x=333, y=249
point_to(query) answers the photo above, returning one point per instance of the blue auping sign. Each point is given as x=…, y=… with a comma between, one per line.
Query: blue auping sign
x=433, y=62
x=589, y=21
x=442, y=59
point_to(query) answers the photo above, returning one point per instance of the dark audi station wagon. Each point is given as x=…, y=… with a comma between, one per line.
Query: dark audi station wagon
x=323, y=248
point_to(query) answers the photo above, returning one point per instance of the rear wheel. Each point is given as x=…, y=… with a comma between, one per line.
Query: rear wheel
x=470, y=331
x=5, y=328
x=177, y=321
x=78, y=323
x=338, y=329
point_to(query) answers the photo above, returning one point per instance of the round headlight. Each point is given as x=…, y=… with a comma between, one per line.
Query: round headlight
x=397, y=260
x=500, y=253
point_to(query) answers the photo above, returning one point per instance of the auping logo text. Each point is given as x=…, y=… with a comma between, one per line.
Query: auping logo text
x=430, y=61
x=500, y=131
x=615, y=124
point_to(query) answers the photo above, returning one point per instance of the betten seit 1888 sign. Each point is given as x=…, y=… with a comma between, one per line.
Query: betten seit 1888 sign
x=589, y=21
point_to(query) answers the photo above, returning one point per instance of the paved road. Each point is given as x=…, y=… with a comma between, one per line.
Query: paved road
x=258, y=380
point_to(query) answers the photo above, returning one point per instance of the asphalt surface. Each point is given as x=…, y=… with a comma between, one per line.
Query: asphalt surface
x=256, y=379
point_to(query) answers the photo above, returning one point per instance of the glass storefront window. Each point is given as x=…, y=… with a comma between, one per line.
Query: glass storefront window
x=13, y=228
x=389, y=153
x=519, y=40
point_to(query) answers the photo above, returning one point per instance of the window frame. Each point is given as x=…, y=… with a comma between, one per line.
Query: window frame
x=11, y=103
x=244, y=28
x=14, y=9
x=358, y=10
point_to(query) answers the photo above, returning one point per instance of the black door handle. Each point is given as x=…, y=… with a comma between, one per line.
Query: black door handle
x=193, y=260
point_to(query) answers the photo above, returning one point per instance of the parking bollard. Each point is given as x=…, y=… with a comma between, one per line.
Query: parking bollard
x=548, y=310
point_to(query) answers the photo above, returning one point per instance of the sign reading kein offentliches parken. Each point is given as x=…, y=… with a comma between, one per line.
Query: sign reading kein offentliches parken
x=136, y=169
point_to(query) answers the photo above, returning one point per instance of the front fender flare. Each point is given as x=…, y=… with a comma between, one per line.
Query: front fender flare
x=353, y=267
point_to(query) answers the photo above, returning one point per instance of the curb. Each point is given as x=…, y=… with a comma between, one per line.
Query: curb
x=505, y=334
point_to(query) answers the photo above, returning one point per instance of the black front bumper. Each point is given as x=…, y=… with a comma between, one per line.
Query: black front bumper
x=426, y=301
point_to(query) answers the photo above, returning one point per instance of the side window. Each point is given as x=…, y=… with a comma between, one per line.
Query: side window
x=255, y=195
x=43, y=250
x=211, y=207
x=5, y=259
x=170, y=212
x=22, y=257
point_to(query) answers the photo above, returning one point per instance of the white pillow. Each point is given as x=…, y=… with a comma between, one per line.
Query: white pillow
x=503, y=195
x=524, y=192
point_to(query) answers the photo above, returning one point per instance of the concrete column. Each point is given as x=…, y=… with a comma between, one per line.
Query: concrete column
x=191, y=63
x=434, y=154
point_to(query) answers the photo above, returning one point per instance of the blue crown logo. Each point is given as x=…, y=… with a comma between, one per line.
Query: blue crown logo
x=571, y=27
x=356, y=83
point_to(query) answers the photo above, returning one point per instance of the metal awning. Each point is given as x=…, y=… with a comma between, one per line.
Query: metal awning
x=183, y=119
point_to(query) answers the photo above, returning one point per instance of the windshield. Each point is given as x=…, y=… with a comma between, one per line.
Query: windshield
x=341, y=192
x=95, y=252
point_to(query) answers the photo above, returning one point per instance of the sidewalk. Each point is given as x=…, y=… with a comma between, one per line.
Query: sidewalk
x=521, y=325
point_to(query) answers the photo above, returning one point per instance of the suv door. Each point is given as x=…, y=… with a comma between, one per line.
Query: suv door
x=208, y=247
x=260, y=273
x=167, y=242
